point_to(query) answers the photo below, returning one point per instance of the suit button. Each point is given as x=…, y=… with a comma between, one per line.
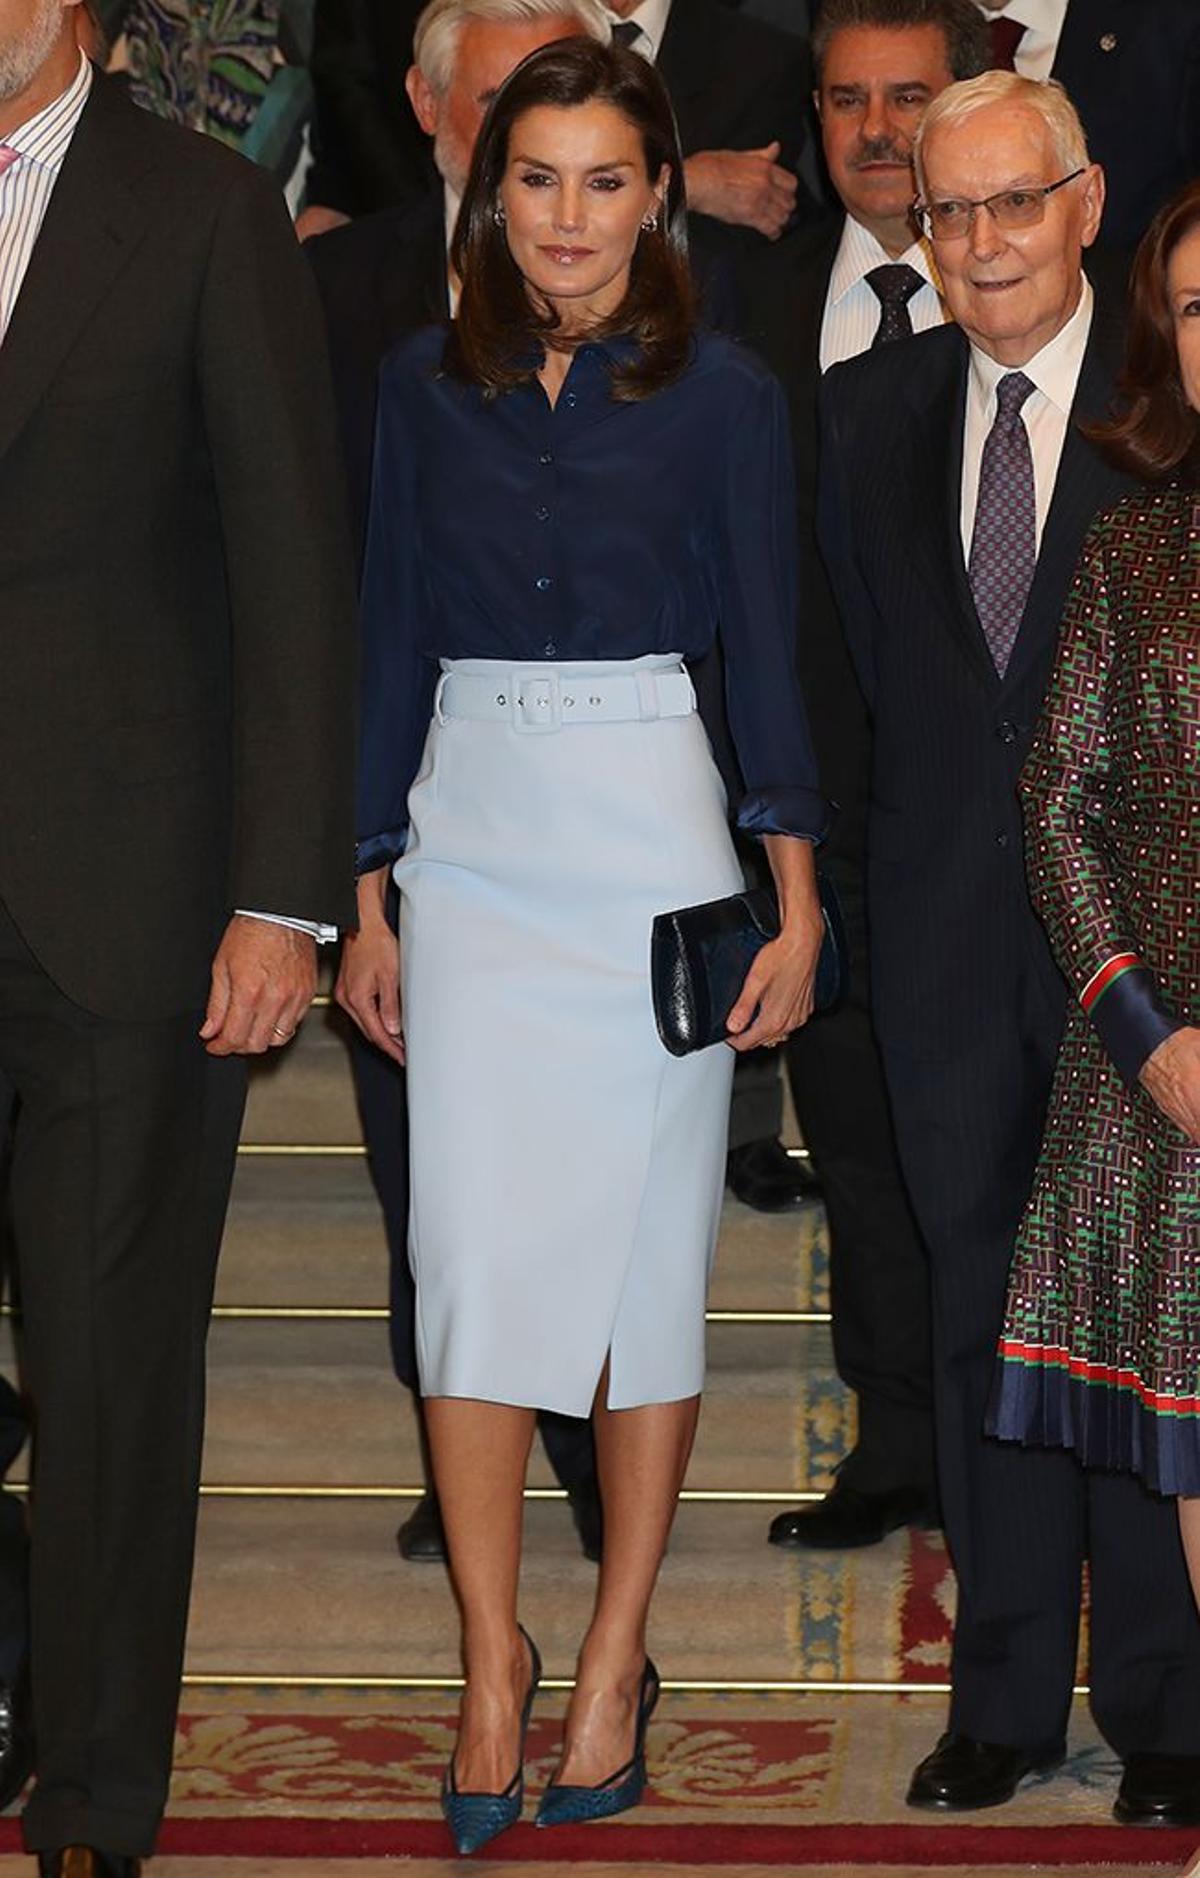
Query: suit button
x=543, y=583
x=1006, y=732
x=1002, y=839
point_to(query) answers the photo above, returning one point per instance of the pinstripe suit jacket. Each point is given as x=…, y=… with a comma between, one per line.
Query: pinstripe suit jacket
x=955, y=944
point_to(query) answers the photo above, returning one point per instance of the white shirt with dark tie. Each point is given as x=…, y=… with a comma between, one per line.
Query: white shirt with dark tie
x=650, y=18
x=852, y=307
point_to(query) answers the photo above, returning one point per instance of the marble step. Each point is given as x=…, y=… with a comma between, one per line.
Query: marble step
x=316, y=1405
x=307, y=1232
x=315, y=1590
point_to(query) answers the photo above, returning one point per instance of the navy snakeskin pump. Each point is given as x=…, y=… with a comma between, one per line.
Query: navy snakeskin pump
x=572, y=1806
x=476, y=1818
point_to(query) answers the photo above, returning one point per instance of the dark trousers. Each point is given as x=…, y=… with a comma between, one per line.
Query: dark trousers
x=14, y=1545
x=879, y=1271
x=380, y=1088
x=1020, y=1522
x=122, y=1158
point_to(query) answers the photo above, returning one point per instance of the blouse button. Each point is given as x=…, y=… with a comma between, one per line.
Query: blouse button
x=543, y=583
x=547, y=456
x=570, y=399
x=542, y=512
x=550, y=650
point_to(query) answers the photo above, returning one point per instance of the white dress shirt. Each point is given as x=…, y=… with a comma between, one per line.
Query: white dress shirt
x=650, y=17
x=852, y=307
x=26, y=187
x=1043, y=23
x=1046, y=412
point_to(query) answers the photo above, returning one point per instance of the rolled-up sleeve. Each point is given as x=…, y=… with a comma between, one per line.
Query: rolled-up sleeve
x=756, y=549
x=397, y=680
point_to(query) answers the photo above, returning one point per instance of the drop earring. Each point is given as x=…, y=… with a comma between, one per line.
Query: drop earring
x=650, y=223
x=498, y=215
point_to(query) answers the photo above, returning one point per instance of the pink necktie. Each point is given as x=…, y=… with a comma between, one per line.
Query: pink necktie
x=7, y=157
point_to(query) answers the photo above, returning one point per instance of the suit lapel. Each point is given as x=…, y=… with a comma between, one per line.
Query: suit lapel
x=1082, y=487
x=92, y=227
x=936, y=504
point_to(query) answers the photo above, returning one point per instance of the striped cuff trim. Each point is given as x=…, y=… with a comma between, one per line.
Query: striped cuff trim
x=1108, y=975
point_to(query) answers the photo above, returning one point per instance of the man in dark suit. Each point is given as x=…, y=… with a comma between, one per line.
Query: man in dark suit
x=957, y=491
x=381, y=278
x=826, y=292
x=740, y=88
x=1132, y=70
x=176, y=709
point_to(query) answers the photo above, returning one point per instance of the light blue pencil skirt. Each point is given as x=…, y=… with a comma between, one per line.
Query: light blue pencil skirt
x=567, y=1173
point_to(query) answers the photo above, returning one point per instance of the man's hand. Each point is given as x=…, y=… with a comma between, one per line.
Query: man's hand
x=318, y=221
x=263, y=980
x=746, y=187
x=1171, y=1077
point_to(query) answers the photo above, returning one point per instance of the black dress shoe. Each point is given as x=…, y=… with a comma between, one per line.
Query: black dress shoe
x=1159, y=1790
x=846, y=1518
x=86, y=1861
x=16, y=1744
x=421, y=1538
x=963, y=1775
x=765, y=1176
x=584, y=1498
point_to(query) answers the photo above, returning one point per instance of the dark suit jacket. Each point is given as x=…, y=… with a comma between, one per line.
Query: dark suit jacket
x=369, y=152
x=176, y=692
x=379, y=280
x=783, y=288
x=1132, y=68
x=955, y=945
x=736, y=83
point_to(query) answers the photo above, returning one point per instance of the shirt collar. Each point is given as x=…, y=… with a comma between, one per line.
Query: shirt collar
x=1054, y=371
x=45, y=139
x=1038, y=16
x=651, y=16
x=859, y=251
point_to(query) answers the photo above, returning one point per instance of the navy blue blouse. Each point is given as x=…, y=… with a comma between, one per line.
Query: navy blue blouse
x=506, y=529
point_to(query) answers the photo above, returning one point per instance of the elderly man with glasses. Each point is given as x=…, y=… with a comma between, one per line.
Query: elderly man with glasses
x=958, y=488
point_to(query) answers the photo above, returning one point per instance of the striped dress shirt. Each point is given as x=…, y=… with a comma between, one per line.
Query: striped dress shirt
x=27, y=185
x=852, y=306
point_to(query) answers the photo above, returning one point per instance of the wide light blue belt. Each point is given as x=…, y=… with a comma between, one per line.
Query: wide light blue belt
x=532, y=700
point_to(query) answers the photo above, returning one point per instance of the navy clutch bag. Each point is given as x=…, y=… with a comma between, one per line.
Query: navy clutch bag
x=700, y=955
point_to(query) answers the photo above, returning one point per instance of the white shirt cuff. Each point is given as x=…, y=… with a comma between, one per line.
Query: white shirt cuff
x=316, y=929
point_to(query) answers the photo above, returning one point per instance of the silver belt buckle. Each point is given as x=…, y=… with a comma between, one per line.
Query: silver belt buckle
x=536, y=703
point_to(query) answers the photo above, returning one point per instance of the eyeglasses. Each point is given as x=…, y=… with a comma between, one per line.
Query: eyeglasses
x=951, y=219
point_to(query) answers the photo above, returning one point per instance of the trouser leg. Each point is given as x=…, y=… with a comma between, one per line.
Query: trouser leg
x=1015, y=1518
x=879, y=1270
x=1145, y=1658
x=122, y=1159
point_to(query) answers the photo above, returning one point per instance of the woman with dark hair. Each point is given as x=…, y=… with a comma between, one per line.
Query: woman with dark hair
x=574, y=491
x=1101, y=1347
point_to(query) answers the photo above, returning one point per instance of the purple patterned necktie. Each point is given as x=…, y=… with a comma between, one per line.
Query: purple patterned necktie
x=893, y=285
x=1004, y=542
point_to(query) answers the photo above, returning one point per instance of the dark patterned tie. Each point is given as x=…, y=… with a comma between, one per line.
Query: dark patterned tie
x=1004, y=542
x=1006, y=37
x=626, y=33
x=894, y=285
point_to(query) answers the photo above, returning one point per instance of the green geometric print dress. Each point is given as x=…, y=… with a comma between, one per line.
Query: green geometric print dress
x=206, y=63
x=1101, y=1345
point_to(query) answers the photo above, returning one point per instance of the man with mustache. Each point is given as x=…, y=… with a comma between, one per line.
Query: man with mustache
x=824, y=293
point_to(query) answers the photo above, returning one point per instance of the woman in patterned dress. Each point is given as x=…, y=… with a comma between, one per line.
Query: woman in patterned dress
x=1101, y=1346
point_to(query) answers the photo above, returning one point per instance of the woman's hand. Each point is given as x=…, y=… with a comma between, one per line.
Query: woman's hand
x=777, y=996
x=1171, y=1077
x=368, y=983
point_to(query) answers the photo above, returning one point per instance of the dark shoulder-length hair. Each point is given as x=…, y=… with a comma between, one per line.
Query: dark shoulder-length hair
x=500, y=326
x=1155, y=432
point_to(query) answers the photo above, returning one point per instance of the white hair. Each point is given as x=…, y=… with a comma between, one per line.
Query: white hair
x=1045, y=97
x=435, y=42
